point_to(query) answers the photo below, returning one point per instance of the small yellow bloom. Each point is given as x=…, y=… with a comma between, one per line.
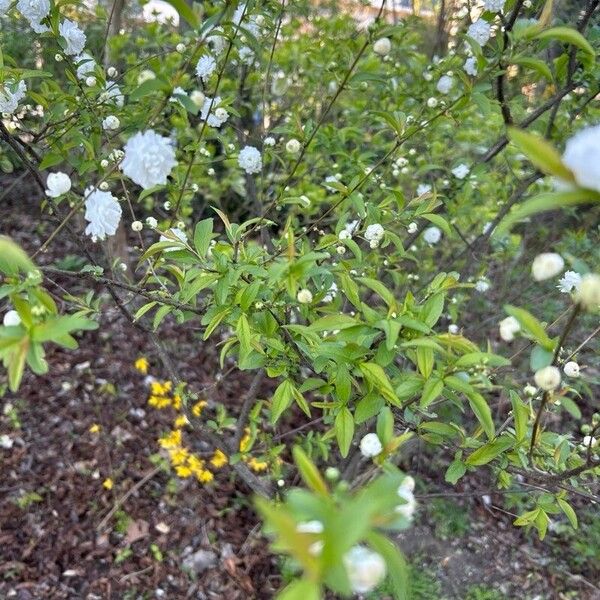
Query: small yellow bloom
x=171, y=440
x=142, y=364
x=219, y=459
x=197, y=408
x=245, y=441
x=178, y=456
x=205, y=476
x=177, y=402
x=159, y=401
x=95, y=428
x=195, y=464
x=108, y=483
x=183, y=471
x=181, y=421
x=161, y=388
x=258, y=465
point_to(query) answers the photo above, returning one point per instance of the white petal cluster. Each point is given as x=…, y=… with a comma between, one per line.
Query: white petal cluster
x=588, y=294
x=74, y=37
x=246, y=55
x=10, y=96
x=374, y=234
x=365, y=569
x=331, y=293
x=103, y=212
x=178, y=233
x=177, y=92
x=206, y=67
x=482, y=285
x=293, y=146
x=589, y=441
x=111, y=123
x=571, y=369
x=412, y=227
x=370, y=445
x=470, y=66
x=444, y=85
x=250, y=159
x=304, y=296
x=461, y=171
x=494, y=5
x=432, y=235
x=582, y=157
x=57, y=184
x=34, y=11
x=382, y=46
x=480, y=31
x=423, y=188
x=547, y=378
x=4, y=6
x=405, y=491
x=85, y=65
x=149, y=159
x=11, y=318
x=198, y=98
x=310, y=527
x=269, y=141
x=145, y=75
x=217, y=42
x=546, y=265
x=569, y=281
x=217, y=116
x=508, y=328
x=113, y=93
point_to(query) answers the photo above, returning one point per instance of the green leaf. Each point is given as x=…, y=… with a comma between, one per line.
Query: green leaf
x=431, y=390
x=543, y=203
x=309, y=472
x=455, y=471
x=483, y=413
x=396, y=565
x=425, y=361
x=385, y=425
x=531, y=325
x=489, y=451
x=344, y=430
x=202, y=236
x=569, y=36
x=439, y=221
x=13, y=258
x=16, y=365
x=569, y=512
x=520, y=416
x=282, y=398
x=540, y=358
x=379, y=380
x=301, y=589
x=535, y=64
x=380, y=290
x=544, y=156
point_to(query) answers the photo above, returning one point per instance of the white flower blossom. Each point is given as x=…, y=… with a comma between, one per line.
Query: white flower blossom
x=111, y=122
x=412, y=227
x=569, y=281
x=137, y=226
x=34, y=11
x=246, y=55
x=10, y=96
x=145, y=75
x=57, y=184
x=432, y=102
x=179, y=234
x=482, y=285
x=461, y=171
x=151, y=222
x=103, y=212
x=198, y=98
x=112, y=93
x=470, y=66
x=494, y=5
x=74, y=37
x=571, y=369
x=304, y=296
x=547, y=378
x=480, y=31
x=4, y=6
x=293, y=146
x=588, y=293
x=508, y=328
x=370, y=445
x=453, y=328
x=217, y=116
x=423, y=188
x=582, y=157
x=11, y=319
x=405, y=492
x=310, y=527
x=546, y=265
x=90, y=81
x=178, y=91
x=332, y=292
x=149, y=159
x=250, y=159
x=85, y=65
x=432, y=235
x=589, y=441
x=269, y=141
x=530, y=390
x=205, y=67
x=382, y=46
x=374, y=234
x=444, y=85
x=218, y=43
x=365, y=569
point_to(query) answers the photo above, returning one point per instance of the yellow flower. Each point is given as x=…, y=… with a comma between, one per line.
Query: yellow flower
x=160, y=388
x=258, y=465
x=197, y=408
x=171, y=440
x=205, y=476
x=142, y=364
x=218, y=460
x=108, y=483
x=159, y=401
x=181, y=421
x=183, y=471
x=177, y=402
x=178, y=456
x=195, y=464
x=95, y=428
x=245, y=441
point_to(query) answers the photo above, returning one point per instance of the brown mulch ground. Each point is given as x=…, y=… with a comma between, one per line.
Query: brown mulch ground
x=53, y=544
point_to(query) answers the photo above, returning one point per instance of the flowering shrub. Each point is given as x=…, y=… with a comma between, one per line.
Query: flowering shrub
x=311, y=197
